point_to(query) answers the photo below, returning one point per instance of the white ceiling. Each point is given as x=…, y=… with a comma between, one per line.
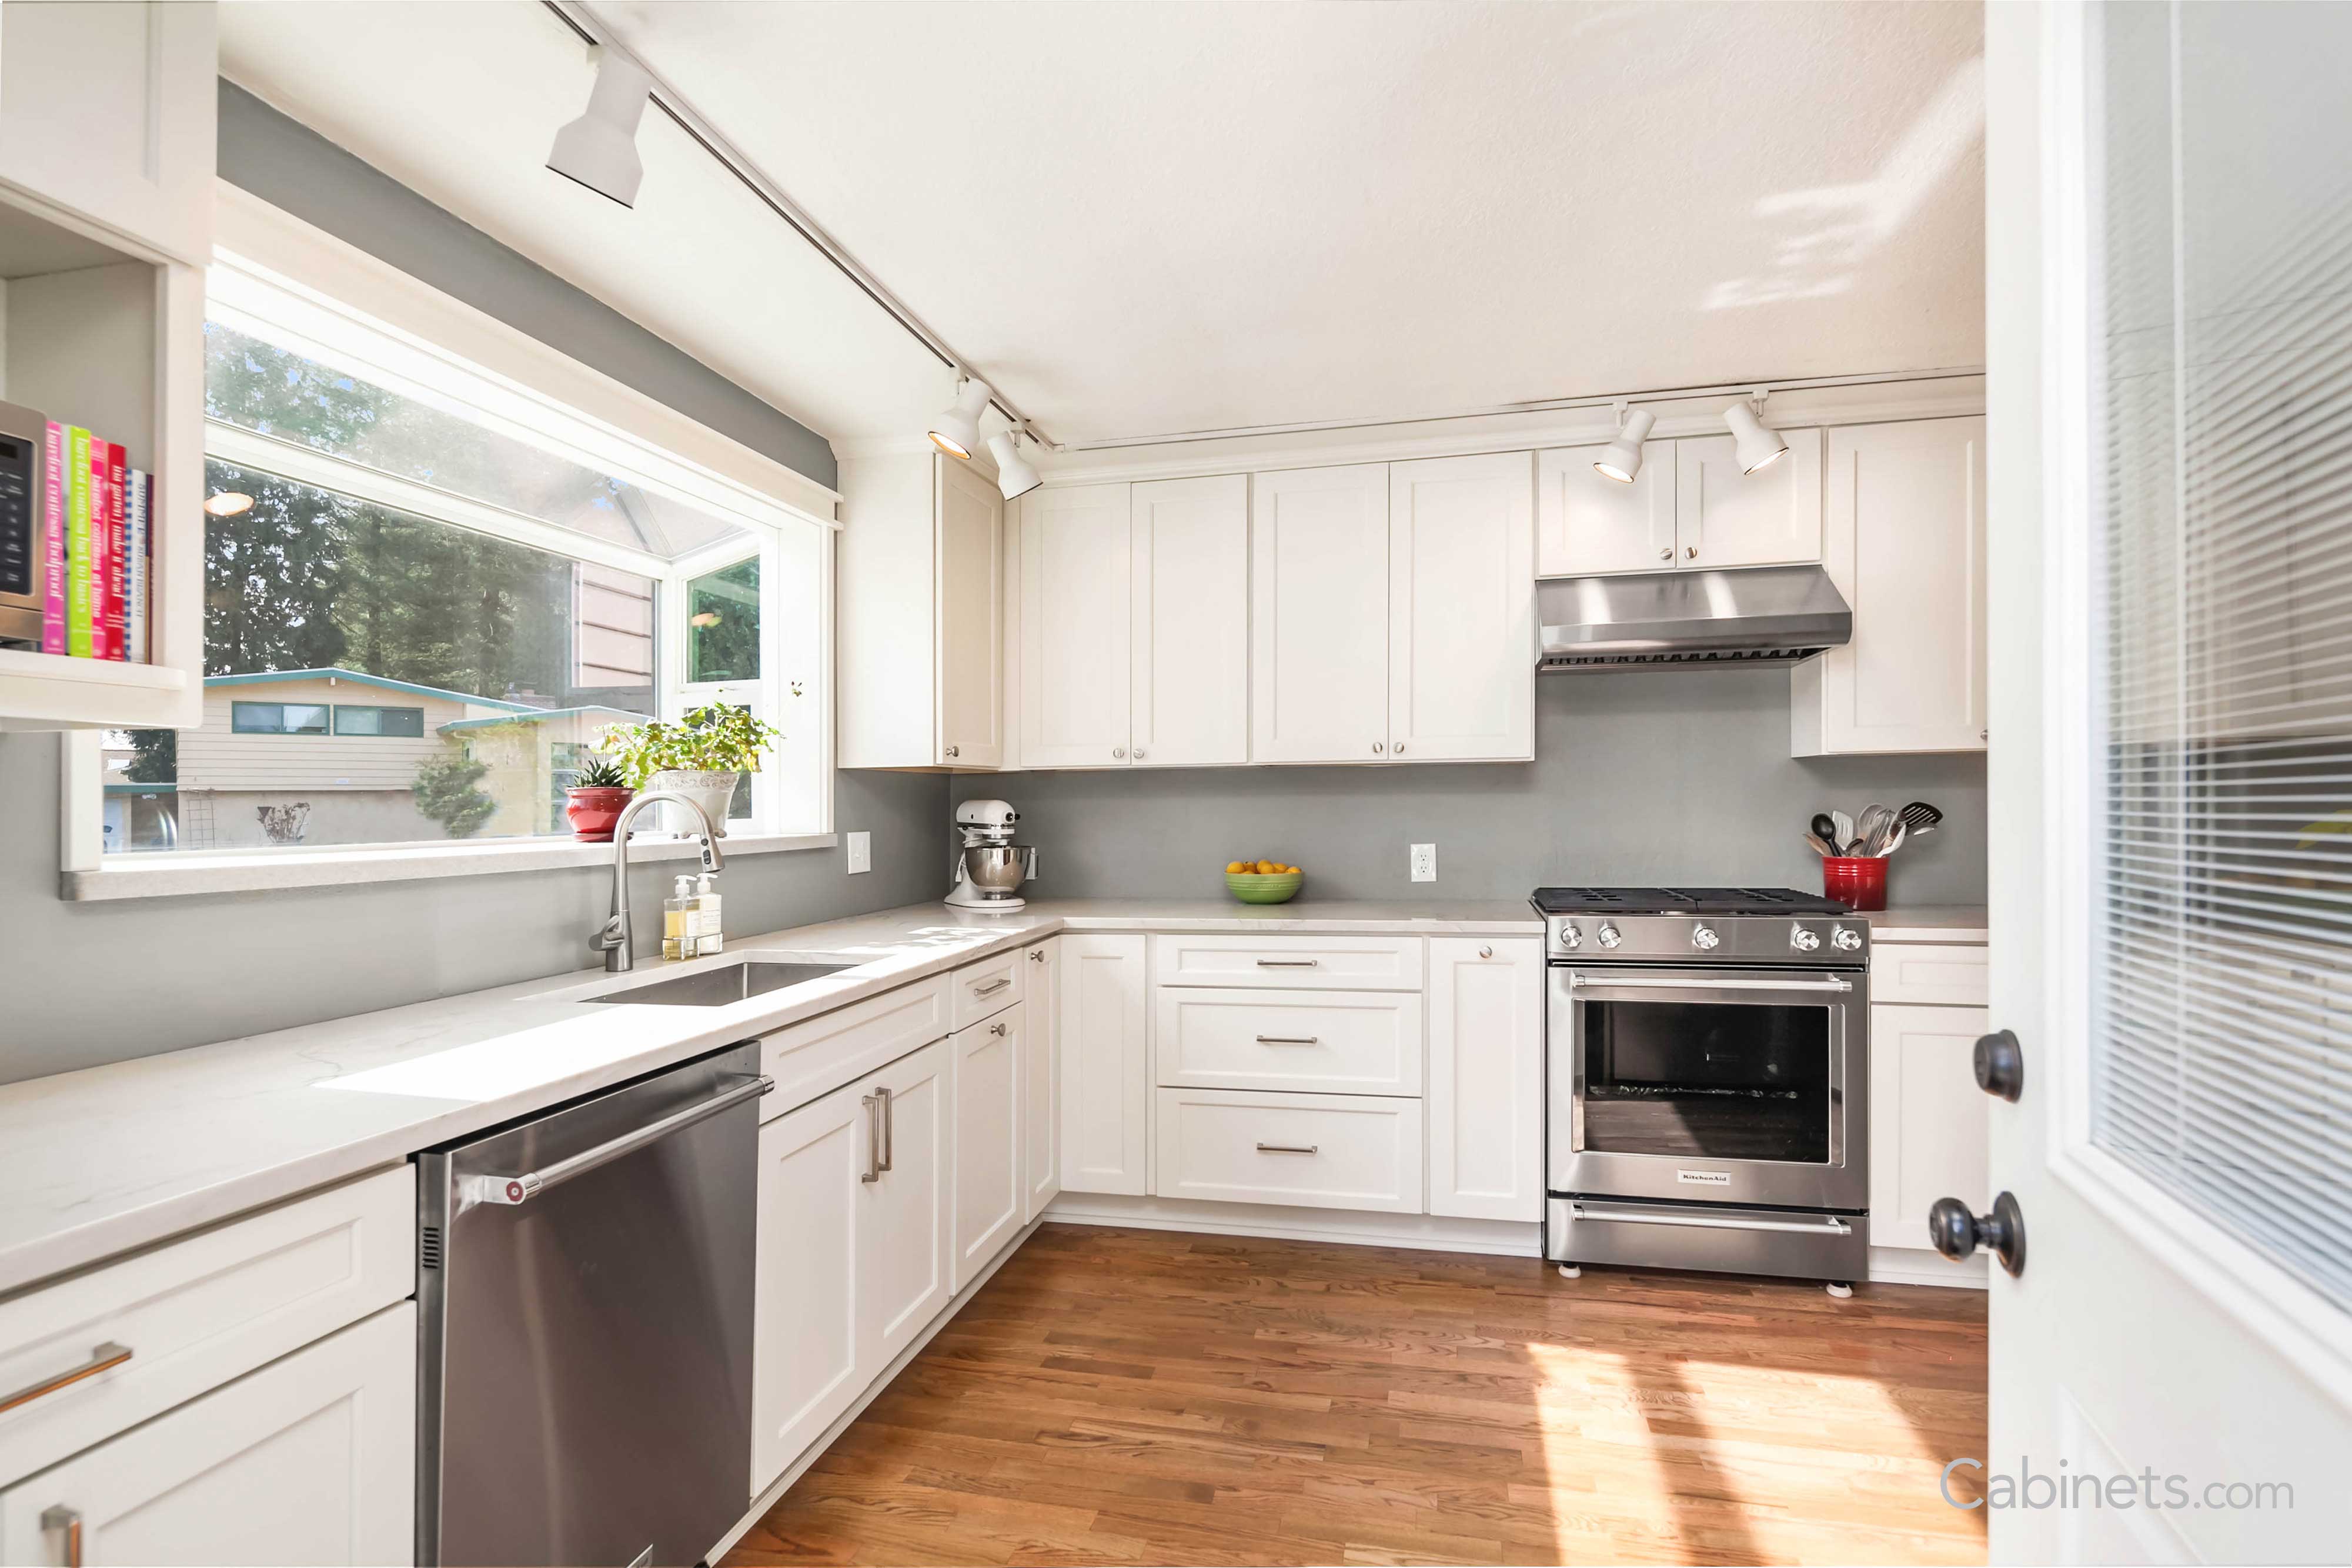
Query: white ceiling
x=1173, y=214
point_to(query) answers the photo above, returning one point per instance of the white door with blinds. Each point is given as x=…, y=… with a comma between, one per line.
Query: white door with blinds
x=2169, y=350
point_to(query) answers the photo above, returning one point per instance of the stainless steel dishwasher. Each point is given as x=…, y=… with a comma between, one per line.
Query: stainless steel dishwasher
x=585, y=1373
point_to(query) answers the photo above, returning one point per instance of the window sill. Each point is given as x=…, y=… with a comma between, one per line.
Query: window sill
x=172, y=873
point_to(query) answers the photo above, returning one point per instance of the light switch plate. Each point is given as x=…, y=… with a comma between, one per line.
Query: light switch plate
x=861, y=852
x=1425, y=863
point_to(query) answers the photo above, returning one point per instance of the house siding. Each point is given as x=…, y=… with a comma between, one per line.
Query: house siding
x=216, y=758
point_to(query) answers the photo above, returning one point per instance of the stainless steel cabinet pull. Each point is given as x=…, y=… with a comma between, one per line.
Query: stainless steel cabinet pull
x=521, y=1188
x=873, y=1139
x=101, y=1358
x=1287, y=962
x=889, y=1123
x=69, y=1521
x=1828, y=1225
x=1636, y=983
x=1288, y=1148
x=1288, y=1039
x=992, y=987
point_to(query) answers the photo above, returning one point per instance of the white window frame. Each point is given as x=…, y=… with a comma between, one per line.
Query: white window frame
x=310, y=291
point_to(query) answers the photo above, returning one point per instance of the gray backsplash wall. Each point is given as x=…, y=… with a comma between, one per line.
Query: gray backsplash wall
x=1675, y=776
x=91, y=983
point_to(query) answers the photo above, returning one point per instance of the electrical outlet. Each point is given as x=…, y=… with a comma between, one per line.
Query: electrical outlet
x=861, y=852
x=1425, y=863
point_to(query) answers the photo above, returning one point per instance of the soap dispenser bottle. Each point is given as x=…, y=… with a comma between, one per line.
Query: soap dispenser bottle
x=710, y=937
x=678, y=921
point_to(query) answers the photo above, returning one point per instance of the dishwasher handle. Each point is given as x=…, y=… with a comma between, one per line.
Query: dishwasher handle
x=522, y=1187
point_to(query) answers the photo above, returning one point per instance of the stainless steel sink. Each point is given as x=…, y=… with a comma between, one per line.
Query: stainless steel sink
x=716, y=988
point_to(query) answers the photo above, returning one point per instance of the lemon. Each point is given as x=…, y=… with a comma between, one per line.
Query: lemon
x=1233, y=868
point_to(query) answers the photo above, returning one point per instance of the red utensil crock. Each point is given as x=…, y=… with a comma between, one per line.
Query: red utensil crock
x=1858, y=881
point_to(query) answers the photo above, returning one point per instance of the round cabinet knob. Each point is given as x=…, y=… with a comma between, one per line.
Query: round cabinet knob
x=1691, y=551
x=1845, y=938
x=1570, y=937
x=951, y=751
x=1139, y=754
x=1704, y=938
x=2000, y=1065
x=1398, y=749
x=1036, y=955
x=1376, y=748
x=1608, y=935
x=1956, y=1233
x=1486, y=952
x=1803, y=940
x=1667, y=553
x=1119, y=752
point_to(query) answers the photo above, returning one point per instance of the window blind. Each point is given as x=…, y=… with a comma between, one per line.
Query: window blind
x=2221, y=987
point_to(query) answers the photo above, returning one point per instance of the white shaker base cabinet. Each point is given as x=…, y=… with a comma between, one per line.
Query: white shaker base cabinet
x=311, y=1459
x=1929, y=1123
x=1461, y=609
x=1106, y=1078
x=1041, y=1082
x=1485, y=1077
x=989, y=1177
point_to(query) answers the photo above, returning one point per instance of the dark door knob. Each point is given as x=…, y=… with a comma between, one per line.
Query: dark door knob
x=2001, y=1065
x=1956, y=1233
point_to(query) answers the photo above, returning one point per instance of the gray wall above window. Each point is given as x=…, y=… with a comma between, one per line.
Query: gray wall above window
x=292, y=167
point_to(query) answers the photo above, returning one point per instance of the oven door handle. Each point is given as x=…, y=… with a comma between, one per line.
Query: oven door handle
x=1662, y=982
x=1828, y=1225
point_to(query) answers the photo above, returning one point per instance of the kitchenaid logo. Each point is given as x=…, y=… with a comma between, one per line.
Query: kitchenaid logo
x=1704, y=1178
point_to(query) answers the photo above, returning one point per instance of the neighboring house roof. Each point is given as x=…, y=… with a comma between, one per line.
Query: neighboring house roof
x=535, y=715
x=408, y=688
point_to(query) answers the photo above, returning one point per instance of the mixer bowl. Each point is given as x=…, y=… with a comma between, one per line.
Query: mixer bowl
x=995, y=868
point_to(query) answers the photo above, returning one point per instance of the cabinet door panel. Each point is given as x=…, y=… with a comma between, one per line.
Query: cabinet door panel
x=1461, y=609
x=1906, y=546
x=1040, y=1111
x=1319, y=614
x=987, y=1179
x=970, y=595
x=1075, y=607
x=1928, y=1120
x=904, y=1243
x=1485, y=1077
x=1191, y=629
x=311, y=1459
x=805, y=1364
x=1725, y=517
x=1105, y=1093
x=1587, y=524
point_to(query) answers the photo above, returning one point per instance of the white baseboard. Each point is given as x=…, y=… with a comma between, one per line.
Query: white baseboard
x=1915, y=1266
x=1426, y=1232
x=815, y=1451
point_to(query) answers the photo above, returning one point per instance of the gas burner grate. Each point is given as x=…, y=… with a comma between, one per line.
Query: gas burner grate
x=1682, y=901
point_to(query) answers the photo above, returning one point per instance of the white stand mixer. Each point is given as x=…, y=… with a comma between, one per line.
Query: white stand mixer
x=989, y=867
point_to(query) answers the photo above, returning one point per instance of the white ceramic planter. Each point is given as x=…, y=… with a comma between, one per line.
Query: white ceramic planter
x=709, y=790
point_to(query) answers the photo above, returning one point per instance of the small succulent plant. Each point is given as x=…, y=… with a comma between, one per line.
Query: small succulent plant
x=601, y=774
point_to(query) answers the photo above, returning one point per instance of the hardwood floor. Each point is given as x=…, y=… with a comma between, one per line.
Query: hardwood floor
x=1146, y=1397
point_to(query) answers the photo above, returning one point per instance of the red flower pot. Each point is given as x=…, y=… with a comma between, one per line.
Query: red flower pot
x=594, y=811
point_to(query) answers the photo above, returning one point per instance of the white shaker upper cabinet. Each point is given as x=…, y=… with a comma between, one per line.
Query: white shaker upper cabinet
x=1075, y=609
x=1725, y=517
x=1586, y=525
x=108, y=112
x=1319, y=614
x=971, y=591
x=1461, y=609
x=1906, y=546
x=1190, y=618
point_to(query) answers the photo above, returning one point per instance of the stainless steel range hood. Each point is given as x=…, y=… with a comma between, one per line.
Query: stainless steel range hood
x=1762, y=614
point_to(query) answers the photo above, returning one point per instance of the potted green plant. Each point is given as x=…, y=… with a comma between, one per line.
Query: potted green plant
x=593, y=802
x=700, y=756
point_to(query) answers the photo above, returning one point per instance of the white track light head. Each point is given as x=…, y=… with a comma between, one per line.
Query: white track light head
x=600, y=149
x=1756, y=445
x=956, y=432
x=1014, y=478
x=1622, y=458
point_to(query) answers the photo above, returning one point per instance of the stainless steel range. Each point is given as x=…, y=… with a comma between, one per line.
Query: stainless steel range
x=1707, y=1053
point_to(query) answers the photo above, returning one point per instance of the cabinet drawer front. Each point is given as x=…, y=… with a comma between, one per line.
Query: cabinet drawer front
x=821, y=1055
x=198, y=1312
x=1934, y=974
x=1313, y=1151
x=988, y=987
x=1292, y=963
x=1341, y=1042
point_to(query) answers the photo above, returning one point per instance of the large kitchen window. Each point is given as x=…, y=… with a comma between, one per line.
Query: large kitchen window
x=429, y=596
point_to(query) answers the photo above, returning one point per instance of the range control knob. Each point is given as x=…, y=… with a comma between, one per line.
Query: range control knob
x=1845, y=938
x=1804, y=940
x=1703, y=937
x=1569, y=937
x=1608, y=935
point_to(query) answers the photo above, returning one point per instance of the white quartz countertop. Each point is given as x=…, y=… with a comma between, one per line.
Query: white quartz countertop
x=1931, y=923
x=104, y=1161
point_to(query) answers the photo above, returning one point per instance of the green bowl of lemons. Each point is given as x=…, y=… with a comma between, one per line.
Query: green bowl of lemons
x=1263, y=881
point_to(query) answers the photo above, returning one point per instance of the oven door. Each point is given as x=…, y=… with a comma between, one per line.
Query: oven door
x=1713, y=1086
